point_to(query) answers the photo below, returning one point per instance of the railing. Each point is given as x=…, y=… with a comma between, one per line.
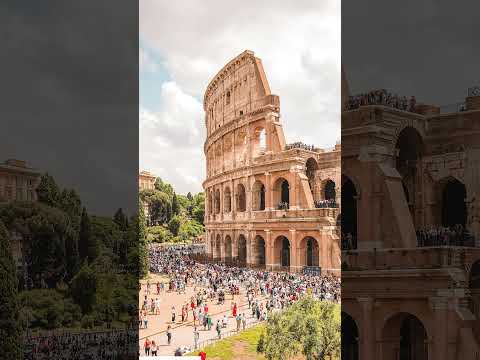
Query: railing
x=300, y=145
x=418, y=258
x=300, y=213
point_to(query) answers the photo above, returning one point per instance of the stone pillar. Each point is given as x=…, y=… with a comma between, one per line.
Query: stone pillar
x=222, y=199
x=269, y=256
x=268, y=192
x=367, y=334
x=294, y=265
x=269, y=119
x=234, y=160
x=249, y=248
x=440, y=308
x=233, y=199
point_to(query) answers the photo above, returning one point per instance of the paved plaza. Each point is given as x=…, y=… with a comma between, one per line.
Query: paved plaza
x=183, y=333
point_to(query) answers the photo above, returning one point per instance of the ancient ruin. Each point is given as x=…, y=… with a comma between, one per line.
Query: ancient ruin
x=411, y=230
x=268, y=203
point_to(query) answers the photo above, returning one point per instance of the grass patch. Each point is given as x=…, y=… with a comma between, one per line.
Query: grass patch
x=224, y=349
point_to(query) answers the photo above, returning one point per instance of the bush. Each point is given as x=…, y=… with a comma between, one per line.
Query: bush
x=84, y=287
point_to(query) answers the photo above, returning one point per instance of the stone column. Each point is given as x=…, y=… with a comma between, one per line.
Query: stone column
x=268, y=192
x=294, y=265
x=269, y=256
x=440, y=308
x=222, y=199
x=367, y=334
x=233, y=199
x=249, y=248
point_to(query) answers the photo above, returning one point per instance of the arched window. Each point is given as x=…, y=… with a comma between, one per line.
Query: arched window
x=258, y=192
x=241, y=198
x=228, y=98
x=217, y=201
x=349, y=214
x=259, y=144
x=281, y=194
x=227, y=200
x=311, y=168
x=330, y=193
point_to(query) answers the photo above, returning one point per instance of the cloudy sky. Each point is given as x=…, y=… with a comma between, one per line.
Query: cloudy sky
x=184, y=44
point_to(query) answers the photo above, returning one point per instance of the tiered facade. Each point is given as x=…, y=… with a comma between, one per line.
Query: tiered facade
x=411, y=290
x=268, y=204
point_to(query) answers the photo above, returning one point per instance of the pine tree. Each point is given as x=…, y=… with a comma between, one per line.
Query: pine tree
x=121, y=220
x=175, y=205
x=48, y=191
x=11, y=340
x=87, y=242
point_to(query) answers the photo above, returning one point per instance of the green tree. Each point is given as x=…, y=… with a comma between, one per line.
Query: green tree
x=175, y=205
x=189, y=196
x=164, y=187
x=83, y=288
x=310, y=327
x=174, y=225
x=143, y=246
x=160, y=208
x=120, y=219
x=48, y=191
x=11, y=340
x=87, y=242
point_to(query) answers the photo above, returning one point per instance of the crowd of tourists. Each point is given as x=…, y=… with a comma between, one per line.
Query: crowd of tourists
x=108, y=345
x=265, y=292
x=456, y=235
x=327, y=203
x=300, y=145
x=283, y=205
x=382, y=97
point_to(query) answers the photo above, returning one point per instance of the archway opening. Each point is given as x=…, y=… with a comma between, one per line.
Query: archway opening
x=312, y=252
x=259, y=144
x=349, y=214
x=218, y=247
x=454, y=207
x=329, y=192
x=282, y=251
x=349, y=338
x=241, y=198
x=259, y=251
x=410, y=338
x=281, y=194
x=228, y=248
x=217, y=201
x=258, y=191
x=227, y=201
x=242, y=250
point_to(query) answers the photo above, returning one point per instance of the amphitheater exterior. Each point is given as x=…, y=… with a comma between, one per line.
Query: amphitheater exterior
x=268, y=204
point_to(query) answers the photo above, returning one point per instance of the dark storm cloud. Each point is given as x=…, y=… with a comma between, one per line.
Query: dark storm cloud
x=69, y=99
x=425, y=48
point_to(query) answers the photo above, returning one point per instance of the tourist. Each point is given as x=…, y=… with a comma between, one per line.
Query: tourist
x=169, y=335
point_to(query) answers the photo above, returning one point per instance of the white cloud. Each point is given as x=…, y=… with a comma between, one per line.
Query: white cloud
x=170, y=139
x=298, y=42
x=145, y=61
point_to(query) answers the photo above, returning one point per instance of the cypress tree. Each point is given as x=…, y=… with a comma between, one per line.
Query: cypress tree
x=11, y=340
x=175, y=205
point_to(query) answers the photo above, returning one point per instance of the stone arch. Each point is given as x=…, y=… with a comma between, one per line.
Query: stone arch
x=227, y=200
x=281, y=193
x=407, y=130
x=329, y=190
x=309, y=251
x=258, y=196
x=228, y=248
x=210, y=202
x=451, y=195
x=242, y=249
x=282, y=251
x=349, y=213
x=404, y=337
x=350, y=336
x=217, y=201
x=259, y=251
x=259, y=141
x=241, y=198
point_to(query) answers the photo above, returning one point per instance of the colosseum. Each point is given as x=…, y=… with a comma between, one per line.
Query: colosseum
x=268, y=204
x=411, y=207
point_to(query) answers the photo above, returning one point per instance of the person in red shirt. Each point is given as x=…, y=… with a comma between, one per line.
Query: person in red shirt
x=203, y=355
